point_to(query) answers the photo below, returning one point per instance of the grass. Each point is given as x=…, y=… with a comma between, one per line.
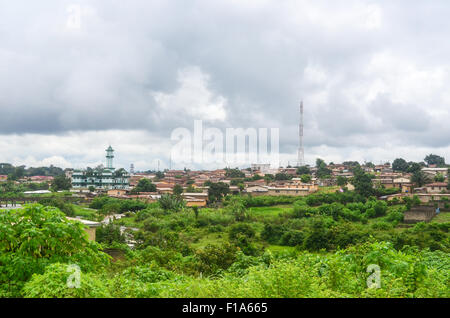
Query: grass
x=442, y=217
x=268, y=213
x=279, y=248
x=327, y=190
x=85, y=212
x=210, y=238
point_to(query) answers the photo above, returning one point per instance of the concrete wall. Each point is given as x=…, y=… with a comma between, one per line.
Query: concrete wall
x=91, y=233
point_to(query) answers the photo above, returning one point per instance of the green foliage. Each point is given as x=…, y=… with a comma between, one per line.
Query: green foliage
x=145, y=185
x=108, y=205
x=172, y=203
x=177, y=189
x=306, y=178
x=213, y=258
x=217, y=191
x=362, y=182
x=282, y=177
x=419, y=178
x=59, y=203
x=341, y=181
x=234, y=173
x=303, y=170
x=400, y=164
x=34, y=237
x=439, y=177
x=314, y=246
x=263, y=200
x=322, y=171
x=432, y=159
x=241, y=229
x=53, y=284
x=236, y=206
x=109, y=234
x=61, y=182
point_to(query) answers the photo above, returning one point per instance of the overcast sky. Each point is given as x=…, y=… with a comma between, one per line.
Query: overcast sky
x=76, y=76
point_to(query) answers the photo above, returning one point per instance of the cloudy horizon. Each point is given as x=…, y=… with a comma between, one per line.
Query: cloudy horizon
x=78, y=76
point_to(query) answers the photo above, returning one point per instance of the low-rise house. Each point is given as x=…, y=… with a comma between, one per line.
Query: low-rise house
x=385, y=182
x=89, y=227
x=434, y=171
x=190, y=201
x=436, y=187
x=116, y=192
x=165, y=190
x=40, y=179
x=299, y=189
x=196, y=195
x=257, y=190
x=277, y=191
x=404, y=184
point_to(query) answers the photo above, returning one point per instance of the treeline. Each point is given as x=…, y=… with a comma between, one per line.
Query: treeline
x=9, y=189
x=107, y=205
x=15, y=173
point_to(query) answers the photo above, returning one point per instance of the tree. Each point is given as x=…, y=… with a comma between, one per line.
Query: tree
x=61, y=183
x=217, y=191
x=177, y=189
x=111, y=207
x=448, y=179
x=91, y=189
x=53, y=284
x=400, y=164
x=145, y=185
x=435, y=160
x=303, y=170
x=322, y=170
x=341, y=181
x=362, y=182
x=237, y=207
x=50, y=238
x=160, y=175
x=268, y=178
x=172, y=203
x=109, y=233
x=234, y=173
x=306, y=178
x=439, y=177
x=419, y=178
x=414, y=167
x=282, y=177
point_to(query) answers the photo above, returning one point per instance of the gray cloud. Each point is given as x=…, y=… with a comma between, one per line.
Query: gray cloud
x=372, y=74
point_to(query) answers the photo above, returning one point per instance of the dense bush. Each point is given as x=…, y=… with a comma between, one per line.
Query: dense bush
x=241, y=229
x=213, y=258
x=112, y=205
x=53, y=283
x=259, y=201
x=339, y=197
x=33, y=238
x=109, y=234
x=59, y=203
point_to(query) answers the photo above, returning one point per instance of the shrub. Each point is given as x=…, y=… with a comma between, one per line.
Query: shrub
x=241, y=229
x=109, y=233
x=53, y=283
x=50, y=238
x=213, y=258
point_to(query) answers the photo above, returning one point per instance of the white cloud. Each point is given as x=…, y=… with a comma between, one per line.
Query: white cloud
x=193, y=97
